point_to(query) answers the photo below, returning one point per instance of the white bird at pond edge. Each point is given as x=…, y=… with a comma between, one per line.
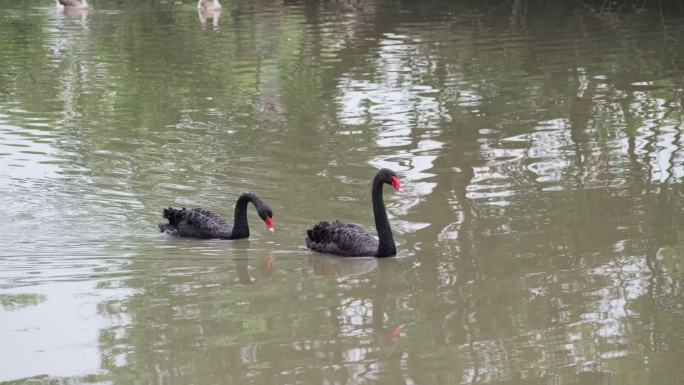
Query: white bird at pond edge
x=74, y=4
x=205, y=5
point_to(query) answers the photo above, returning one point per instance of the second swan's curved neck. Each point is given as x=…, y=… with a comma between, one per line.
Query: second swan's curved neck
x=386, y=246
x=240, y=225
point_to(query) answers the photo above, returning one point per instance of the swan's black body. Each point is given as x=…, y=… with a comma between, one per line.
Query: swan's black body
x=201, y=223
x=352, y=240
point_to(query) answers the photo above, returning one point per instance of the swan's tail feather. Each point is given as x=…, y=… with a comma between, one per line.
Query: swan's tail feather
x=322, y=233
x=319, y=233
x=174, y=215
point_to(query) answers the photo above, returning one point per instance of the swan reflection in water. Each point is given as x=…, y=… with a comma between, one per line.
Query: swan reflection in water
x=209, y=10
x=386, y=336
x=261, y=274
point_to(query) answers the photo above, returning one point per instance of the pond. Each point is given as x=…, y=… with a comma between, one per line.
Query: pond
x=539, y=146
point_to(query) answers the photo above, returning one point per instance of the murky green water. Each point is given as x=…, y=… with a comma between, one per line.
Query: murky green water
x=539, y=235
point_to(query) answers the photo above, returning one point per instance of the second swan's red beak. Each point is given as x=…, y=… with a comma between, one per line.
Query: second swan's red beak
x=396, y=184
x=269, y=224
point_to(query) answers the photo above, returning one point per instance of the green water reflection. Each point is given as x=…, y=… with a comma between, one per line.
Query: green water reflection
x=539, y=144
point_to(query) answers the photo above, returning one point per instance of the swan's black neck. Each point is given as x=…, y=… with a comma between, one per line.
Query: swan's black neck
x=240, y=226
x=386, y=246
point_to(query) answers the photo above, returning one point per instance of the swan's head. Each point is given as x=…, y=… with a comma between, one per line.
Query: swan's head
x=266, y=215
x=388, y=176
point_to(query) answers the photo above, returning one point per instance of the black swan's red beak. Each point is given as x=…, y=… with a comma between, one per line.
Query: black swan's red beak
x=396, y=184
x=269, y=224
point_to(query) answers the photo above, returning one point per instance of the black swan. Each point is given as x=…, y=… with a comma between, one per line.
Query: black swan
x=352, y=240
x=201, y=223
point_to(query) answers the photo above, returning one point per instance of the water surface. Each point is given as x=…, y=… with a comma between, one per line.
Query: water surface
x=539, y=147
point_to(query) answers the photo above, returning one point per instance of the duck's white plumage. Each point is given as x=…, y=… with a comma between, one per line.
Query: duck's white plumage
x=73, y=3
x=205, y=5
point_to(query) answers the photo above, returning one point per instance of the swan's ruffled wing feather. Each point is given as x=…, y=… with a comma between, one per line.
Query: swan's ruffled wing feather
x=341, y=238
x=211, y=215
x=198, y=223
x=350, y=237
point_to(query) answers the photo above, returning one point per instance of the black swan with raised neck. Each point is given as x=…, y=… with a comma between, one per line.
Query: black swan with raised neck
x=201, y=223
x=351, y=240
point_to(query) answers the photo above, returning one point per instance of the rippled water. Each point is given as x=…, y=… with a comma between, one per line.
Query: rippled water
x=539, y=146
